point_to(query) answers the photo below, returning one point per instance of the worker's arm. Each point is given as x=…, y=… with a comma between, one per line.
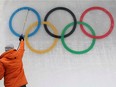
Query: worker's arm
x=2, y=70
x=20, y=49
x=21, y=46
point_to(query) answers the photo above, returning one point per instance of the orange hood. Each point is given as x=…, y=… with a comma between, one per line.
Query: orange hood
x=9, y=54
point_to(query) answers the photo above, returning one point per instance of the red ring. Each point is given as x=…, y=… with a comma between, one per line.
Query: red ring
x=104, y=10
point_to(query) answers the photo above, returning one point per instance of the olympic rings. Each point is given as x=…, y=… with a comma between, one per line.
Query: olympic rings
x=60, y=8
x=111, y=20
x=55, y=32
x=78, y=52
x=41, y=51
x=25, y=8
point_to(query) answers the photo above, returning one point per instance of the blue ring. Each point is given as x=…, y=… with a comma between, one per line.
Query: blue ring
x=25, y=8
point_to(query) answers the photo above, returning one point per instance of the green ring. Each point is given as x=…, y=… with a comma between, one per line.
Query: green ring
x=73, y=51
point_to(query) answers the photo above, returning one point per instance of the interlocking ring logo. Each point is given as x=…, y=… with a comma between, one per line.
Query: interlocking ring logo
x=46, y=23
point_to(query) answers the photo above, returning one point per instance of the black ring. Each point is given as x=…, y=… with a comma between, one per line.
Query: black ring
x=60, y=8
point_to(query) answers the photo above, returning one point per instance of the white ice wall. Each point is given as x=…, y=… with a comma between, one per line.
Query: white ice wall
x=60, y=68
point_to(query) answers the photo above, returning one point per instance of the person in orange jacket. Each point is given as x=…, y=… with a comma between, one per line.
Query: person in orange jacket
x=11, y=66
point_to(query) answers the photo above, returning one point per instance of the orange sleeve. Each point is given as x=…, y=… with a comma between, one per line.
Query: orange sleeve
x=2, y=70
x=21, y=49
x=21, y=46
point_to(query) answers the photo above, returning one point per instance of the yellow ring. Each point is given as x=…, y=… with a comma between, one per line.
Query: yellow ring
x=40, y=51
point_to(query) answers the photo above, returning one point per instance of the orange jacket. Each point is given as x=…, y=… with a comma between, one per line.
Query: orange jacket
x=13, y=67
x=1, y=71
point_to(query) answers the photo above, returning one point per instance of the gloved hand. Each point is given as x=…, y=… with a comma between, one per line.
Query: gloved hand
x=21, y=37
